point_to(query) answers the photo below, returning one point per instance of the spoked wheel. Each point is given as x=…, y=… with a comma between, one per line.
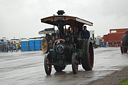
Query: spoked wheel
x=88, y=55
x=123, y=48
x=59, y=68
x=45, y=45
x=74, y=63
x=47, y=64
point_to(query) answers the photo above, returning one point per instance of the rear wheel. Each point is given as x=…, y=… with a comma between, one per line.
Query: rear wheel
x=45, y=45
x=88, y=55
x=74, y=63
x=59, y=68
x=47, y=64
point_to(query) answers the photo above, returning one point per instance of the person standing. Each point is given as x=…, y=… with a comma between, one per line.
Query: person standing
x=86, y=33
x=17, y=47
x=11, y=46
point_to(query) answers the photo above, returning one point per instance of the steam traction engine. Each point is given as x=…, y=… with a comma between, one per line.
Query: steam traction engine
x=67, y=45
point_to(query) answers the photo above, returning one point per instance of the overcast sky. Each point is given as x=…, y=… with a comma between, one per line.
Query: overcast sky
x=21, y=18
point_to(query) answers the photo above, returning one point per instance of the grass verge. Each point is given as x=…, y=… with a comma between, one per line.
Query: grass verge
x=124, y=82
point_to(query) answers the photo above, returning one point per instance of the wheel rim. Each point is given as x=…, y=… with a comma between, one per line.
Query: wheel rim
x=76, y=64
x=91, y=57
x=122, y=47
x=48, y=65
x=44, y=45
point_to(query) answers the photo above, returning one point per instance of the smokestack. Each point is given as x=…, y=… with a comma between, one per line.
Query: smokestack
x=60, y=12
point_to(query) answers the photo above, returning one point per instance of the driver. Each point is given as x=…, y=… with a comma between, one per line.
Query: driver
x=85, y=33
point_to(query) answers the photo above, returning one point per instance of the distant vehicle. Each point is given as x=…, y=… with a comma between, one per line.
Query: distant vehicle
x=124, y=43
x=66, y=46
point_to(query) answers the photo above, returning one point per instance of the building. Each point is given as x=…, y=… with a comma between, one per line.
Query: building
x=115, y=36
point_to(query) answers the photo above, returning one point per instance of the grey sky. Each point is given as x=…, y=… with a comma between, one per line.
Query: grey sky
x=21, y=18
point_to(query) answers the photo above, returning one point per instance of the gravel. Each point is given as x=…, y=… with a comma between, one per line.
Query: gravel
x=113, y=79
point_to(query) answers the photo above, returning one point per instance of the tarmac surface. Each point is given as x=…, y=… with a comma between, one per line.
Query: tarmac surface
x=27, y=68
x=114, y=79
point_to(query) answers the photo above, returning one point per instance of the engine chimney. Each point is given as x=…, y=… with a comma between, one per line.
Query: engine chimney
x=60, y=12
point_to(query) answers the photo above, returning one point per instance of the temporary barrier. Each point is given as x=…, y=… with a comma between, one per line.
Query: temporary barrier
x=24, y=45
x=40, y=44
x=103, y=44
x=37, y=44
x=31, y=45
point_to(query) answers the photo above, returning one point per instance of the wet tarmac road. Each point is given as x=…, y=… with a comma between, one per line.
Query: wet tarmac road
x=27, y=68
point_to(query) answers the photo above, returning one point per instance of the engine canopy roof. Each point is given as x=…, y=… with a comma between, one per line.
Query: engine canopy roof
x=69, y=20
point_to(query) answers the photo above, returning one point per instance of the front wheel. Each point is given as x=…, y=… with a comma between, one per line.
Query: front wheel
x=74, y=63
x=47, y=64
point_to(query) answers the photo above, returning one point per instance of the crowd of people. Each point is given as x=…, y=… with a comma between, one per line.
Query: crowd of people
x=12, y=47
